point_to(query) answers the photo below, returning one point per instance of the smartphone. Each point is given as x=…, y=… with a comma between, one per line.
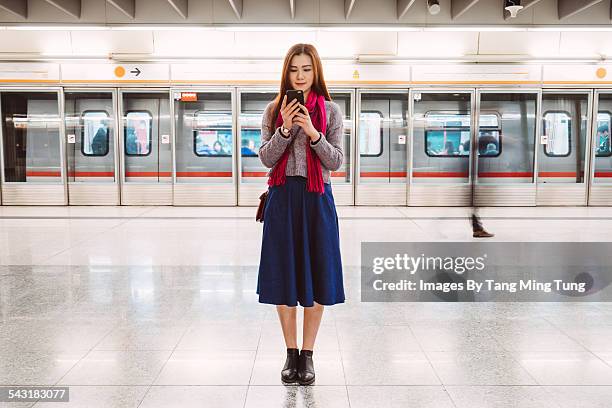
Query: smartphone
x=295, y=94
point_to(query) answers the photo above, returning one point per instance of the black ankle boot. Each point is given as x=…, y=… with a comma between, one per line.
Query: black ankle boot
x=290, y=369
x=306, y=373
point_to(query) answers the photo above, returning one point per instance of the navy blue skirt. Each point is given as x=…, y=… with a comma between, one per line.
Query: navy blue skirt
x=300, y=251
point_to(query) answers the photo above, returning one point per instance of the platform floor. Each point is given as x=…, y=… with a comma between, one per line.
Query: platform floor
x=156, y=307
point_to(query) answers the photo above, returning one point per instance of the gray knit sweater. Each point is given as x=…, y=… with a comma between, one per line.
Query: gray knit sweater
x=328, y=147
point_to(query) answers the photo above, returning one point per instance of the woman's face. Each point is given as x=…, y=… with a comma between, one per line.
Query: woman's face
x=301, y=74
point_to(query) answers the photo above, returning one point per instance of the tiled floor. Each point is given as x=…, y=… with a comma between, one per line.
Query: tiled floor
x=156, y=307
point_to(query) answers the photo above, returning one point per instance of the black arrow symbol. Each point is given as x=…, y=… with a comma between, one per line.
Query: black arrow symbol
x=135, y=71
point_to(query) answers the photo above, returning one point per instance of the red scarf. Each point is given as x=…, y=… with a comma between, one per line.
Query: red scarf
x=316, y=108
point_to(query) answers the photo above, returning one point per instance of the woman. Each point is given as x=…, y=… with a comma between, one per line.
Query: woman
x=300, y=253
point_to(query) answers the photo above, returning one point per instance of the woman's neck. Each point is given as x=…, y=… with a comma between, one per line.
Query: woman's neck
x=306, y=95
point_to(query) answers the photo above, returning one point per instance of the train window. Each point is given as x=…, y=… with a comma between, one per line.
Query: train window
x=138, y=133
x=94, y=137
x=212, y=134
x=250, y=142
x=447, y=134
x=489, y=135
x=370, y=133
x=557, y=129
x=250, y=133
x=604, y=120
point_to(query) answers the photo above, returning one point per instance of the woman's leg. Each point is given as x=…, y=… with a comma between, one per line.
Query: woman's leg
x=312, y=320
x=287, y=316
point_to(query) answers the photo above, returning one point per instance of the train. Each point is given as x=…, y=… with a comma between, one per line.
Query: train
x=455, y=140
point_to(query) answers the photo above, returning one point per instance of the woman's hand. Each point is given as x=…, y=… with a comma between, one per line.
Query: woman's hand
x=288, y=112
x=303, y=119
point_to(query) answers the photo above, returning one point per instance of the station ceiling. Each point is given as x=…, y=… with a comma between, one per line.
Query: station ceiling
x=302, y=12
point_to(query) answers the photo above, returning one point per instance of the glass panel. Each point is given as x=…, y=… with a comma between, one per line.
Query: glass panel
x=370, y=133
x=447, y=134
x=602, y=139
x=603, y=155
x=138, y=134
x=204, y=144
x=212, y=134
x=147, y=137
x=252, y=106
x=557, y=130
x=30, y=133
x=441, y=137
x=343, y=174
x=489, y=135
x=94, y=140
x=250, y=142
x=512, y=162
x=90, y=136
x=382, y=138
x=562, y=143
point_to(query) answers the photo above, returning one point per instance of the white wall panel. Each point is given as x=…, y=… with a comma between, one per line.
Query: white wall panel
x=476, y=73
x=537, y=43
x=195, y=43
x=29, y=71
x=270, y=44
x=44, y=42
x=586, y=44
x=103, y=42
x=330, y=43
x=108, y=72
x=367, y=72
x=351, y=43
x=271, y=71
x=436, y=44
x=228, y=71
x=573, y=72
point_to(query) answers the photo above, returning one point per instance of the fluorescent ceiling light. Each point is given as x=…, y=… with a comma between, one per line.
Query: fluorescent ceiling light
x=78, y=55
x=475, y=28
x=57, y=28
x=298, y=28
x=369, y=28
x=571, y=28
x=161, y=28
x=264, y=28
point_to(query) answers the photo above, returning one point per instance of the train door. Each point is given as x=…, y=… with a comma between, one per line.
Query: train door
x=505, y=155
x=381, y=147
x=600, y=192
x=252, y=180
x=561, y=148
x=442, y=123
x=31, y=147
x=205, y=172
x=342, y=179
x=91, y=153
x=146, y=140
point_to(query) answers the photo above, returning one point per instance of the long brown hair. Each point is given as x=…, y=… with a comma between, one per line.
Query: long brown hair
x=318, y=82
